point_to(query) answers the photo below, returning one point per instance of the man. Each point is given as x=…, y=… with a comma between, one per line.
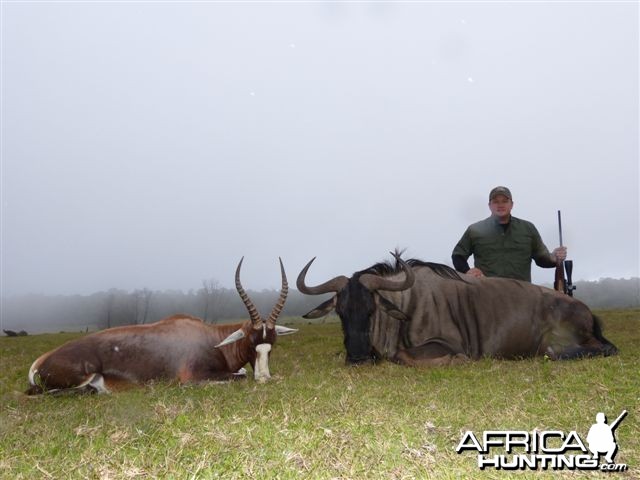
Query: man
x=502, y=245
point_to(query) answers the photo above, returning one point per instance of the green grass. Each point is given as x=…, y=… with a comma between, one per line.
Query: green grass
x=317, y=418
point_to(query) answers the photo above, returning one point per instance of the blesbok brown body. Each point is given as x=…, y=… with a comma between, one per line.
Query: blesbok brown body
x=180, y=348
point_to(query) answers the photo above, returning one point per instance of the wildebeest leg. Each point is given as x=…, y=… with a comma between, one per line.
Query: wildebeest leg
x=579, y=352
x=406, y=358
x=434, y=352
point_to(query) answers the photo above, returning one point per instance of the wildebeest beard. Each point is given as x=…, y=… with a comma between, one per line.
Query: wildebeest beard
x=355, y=306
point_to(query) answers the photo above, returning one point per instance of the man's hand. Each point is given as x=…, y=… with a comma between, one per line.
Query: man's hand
x=559, y=254
x=475, y=272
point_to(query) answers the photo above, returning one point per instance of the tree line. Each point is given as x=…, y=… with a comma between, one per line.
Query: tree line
x=115, y=307
x=214, y=304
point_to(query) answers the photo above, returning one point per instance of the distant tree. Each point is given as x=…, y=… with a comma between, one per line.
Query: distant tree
x=119, y=309
x=212, y=298
x=145, y=296
x=141, y=302
x=109, y=306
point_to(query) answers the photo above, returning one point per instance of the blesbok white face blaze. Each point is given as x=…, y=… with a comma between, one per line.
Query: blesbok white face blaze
x=261, y=372
x=181, y=348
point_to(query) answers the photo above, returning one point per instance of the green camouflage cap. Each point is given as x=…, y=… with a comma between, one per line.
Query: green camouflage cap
x=500, y=191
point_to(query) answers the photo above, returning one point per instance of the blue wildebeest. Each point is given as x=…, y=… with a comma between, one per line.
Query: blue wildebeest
x=180, y=347
x=419, y=313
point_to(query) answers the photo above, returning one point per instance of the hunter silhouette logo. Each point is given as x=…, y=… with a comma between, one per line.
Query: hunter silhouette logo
x=601, y=438
x=554, y=449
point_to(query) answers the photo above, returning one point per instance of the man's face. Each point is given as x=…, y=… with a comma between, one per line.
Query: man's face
x=501, y=206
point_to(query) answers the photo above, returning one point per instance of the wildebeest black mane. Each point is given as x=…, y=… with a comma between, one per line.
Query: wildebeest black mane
x=386, y=268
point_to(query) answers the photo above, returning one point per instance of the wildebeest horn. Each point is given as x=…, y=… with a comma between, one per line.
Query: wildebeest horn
x=375, y=282
x=334, y=285
x=271, y=321
x=253, y=311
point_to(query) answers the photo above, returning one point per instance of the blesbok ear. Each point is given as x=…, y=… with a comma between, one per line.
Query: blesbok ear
x=280, y=330
x=234, y=337
x=322, y=309
x=391, y=309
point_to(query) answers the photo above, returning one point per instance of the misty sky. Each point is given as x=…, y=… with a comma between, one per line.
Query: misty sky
x=153, y=144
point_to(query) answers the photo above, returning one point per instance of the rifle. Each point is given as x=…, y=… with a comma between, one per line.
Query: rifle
x=562, y=284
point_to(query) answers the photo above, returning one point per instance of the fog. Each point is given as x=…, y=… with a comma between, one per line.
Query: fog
x=152, y=145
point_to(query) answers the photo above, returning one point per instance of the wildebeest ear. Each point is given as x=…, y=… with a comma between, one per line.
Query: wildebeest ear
x=391, y=309
x=322, y=309
x=234, y=337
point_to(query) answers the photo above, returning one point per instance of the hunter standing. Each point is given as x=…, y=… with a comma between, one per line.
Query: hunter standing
x=503, y=245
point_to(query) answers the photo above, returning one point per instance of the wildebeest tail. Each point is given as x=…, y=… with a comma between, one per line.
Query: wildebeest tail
x=608, y=347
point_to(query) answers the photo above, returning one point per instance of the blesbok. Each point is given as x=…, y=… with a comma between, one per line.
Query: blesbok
x=420, y=313
x=180, y=347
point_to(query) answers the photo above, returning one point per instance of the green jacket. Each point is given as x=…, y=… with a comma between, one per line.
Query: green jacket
x=501, y=252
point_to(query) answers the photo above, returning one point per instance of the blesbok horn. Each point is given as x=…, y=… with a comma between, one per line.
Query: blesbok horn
x=253, y=311
x=275, y=313
x=375, y=282
x=334, y=285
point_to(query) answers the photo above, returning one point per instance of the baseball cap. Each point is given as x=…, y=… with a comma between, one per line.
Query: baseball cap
x=500, y=191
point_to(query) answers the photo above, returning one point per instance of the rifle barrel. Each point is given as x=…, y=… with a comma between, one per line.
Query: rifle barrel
x=560, y=226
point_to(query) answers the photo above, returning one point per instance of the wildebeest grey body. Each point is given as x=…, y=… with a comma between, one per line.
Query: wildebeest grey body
x=443, y=316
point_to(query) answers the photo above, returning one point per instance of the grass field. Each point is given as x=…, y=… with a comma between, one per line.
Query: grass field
x=317, y=418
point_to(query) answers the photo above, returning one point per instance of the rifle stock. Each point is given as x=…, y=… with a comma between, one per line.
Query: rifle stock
x=560, y=284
